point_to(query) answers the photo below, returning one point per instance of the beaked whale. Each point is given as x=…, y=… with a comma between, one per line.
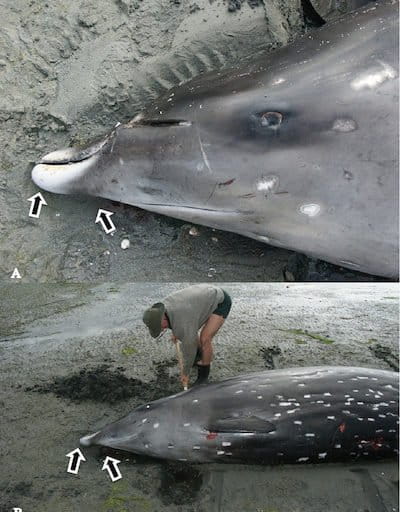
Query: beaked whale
x=297, y=149
x=316, y=414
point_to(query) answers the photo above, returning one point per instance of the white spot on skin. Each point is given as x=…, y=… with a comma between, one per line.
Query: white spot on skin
x=303, y=459
x=330, y=417
x=311, y=210
x=278, y=81
x=338, y=446
x=195, y=401
x=292, y=411
x=344, y=125
x=278, y=415
x=309, y=435
x=144, y=420
x=267, y=184
x=220, y=452
x=372, y=80
x=156, y=425
x=370, y=419
x=186, y=424
x=196, y=447
x=307, y=396
x=240, y=391
x=259, y=397
x=285, y=404
x=301, y=385
x=327, y=394
x=298, y=422
x=226, y=443
x=264, y=239
x=322, y=455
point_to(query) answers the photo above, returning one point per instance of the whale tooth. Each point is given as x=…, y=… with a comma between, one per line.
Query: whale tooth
x=71, y=155
x=88, y=440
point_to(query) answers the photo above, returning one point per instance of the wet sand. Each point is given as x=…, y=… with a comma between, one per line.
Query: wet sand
x=76, y=357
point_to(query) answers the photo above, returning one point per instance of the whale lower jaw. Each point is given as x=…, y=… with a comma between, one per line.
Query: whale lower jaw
x=61, y=178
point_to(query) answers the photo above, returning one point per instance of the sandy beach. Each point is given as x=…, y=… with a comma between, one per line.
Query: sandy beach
x=77, y=357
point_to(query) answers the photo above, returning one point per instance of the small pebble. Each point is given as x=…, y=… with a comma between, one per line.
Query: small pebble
x=194, y=231
x=125, y=243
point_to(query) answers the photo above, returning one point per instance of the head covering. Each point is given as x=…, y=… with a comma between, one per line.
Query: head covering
x=152, y=318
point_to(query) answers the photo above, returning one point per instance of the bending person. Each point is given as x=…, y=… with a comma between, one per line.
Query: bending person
x=185, y=312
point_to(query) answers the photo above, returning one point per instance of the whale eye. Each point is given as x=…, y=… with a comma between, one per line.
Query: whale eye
x=271, y=120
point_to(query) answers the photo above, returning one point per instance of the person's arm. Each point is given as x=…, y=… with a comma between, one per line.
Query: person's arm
x=189, y=348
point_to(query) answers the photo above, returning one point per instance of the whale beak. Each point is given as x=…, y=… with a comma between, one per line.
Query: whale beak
x=60, y=170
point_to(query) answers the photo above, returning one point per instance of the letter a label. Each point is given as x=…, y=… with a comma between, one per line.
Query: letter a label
x=15, y=274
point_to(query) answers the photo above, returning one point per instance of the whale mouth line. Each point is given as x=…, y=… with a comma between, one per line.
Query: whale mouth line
x=186, y=207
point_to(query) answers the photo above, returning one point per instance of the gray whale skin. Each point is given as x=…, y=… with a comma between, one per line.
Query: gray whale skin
x=316, y=414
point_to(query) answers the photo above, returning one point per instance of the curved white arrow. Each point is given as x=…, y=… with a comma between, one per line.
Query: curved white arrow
x=104, y=217
x=75, y=459
x=37, y=201
x=111, y=465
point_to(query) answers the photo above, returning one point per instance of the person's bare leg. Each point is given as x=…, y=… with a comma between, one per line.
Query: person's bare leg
x=209, y=330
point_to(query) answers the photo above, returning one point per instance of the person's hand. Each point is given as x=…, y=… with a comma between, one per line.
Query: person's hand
x=185, y=381
x=174, y=339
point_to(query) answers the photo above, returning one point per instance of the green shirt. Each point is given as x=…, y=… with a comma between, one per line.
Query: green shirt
x=188, y=310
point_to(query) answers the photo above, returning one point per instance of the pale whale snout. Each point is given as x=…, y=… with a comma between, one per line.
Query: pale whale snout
x=60, y=170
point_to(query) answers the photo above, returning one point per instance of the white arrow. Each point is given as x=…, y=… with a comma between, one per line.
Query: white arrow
x=37, y=201
x=75, y=459
x=111, y=465
x=103, y=216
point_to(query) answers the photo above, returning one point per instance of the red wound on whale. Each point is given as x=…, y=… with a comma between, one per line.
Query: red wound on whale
x=211, y=436
x=229, y=182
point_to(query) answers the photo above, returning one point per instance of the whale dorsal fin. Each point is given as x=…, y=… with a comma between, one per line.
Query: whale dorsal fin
x=241, y=424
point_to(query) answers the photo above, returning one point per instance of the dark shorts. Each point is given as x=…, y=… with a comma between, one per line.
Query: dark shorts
x=224, y=307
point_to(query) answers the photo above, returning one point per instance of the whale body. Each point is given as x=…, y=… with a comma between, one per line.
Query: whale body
x=298, y=149
x=316, y=414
